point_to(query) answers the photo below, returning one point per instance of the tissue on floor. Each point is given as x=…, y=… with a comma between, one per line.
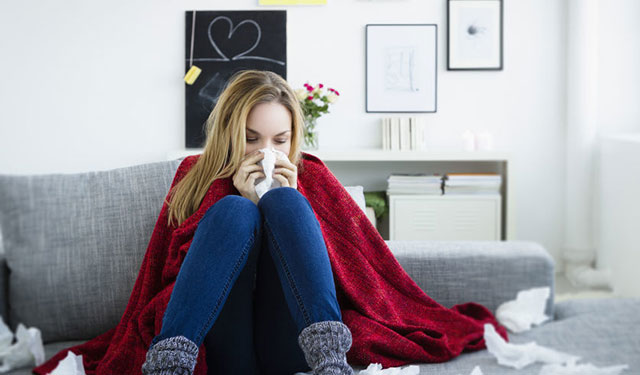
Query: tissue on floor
x=557, y=363
x=528, y=308
x=267, y=163
x=27, y=351
x=521, y=355
x=376, y=369
x=70, y=365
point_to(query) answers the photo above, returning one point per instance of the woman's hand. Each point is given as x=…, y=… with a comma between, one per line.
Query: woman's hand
x=286, y=173
x=245, y=177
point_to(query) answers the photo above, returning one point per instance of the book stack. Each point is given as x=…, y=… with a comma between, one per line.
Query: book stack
x=414, y=183
x=472, y=183
x=403, y=133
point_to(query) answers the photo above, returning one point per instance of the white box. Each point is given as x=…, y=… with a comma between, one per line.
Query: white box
x=445, y=217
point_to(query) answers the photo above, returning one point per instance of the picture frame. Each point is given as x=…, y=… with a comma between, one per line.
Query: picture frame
x=401, y=72
x=475, y=34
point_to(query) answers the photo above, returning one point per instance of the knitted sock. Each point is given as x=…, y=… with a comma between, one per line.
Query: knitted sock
x=325, y=345
x=171, y=356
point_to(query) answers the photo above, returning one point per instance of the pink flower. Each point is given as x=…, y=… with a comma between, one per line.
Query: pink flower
x=320, y=85
x=309, y=97
x=309, y=88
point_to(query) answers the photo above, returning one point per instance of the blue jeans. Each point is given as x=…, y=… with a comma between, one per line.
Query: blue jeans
x=254, y=277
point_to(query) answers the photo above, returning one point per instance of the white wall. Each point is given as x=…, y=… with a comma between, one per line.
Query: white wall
x=618, y=73
x=73, y=74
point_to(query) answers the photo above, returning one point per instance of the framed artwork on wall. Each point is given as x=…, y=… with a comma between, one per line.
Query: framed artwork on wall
x=401, y=67
x=474, y=34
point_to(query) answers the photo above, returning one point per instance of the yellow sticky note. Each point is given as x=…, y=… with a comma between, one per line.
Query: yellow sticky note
x=192, y=75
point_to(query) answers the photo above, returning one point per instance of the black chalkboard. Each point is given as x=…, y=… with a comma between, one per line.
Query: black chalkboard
x=226, y=42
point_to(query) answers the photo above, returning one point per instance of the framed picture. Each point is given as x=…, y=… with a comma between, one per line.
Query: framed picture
x=474, y=35
x=401, y=68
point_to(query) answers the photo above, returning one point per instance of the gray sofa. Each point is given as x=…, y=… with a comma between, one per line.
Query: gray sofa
x=73, y=245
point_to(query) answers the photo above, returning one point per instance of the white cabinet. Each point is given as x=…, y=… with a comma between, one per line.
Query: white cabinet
x=445, y=217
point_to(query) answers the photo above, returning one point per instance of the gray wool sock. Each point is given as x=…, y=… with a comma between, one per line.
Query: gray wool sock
x=325, y=345
x=171, y=356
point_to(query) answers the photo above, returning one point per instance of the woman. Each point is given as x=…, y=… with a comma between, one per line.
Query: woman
x=256, y=285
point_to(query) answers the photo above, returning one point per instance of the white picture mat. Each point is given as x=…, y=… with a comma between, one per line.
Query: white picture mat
x=482, y=50
x=401, y=68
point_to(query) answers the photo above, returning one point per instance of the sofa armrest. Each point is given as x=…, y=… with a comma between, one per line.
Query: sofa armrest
x=486, y=272
x=4, y=284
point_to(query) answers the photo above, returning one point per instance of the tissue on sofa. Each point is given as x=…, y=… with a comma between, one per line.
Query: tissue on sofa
x=526, y=310
x=26, y=351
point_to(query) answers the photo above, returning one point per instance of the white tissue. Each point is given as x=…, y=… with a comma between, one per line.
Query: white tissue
x=521, y=355
x=268, y=163
x=26, y=351
x=70, y=365
x=376, y=369
x=528, y=308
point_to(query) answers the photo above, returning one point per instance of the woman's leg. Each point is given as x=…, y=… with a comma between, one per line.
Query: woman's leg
x=226, y=236
x=275, y=330
x=229, y=343
x=295, y=288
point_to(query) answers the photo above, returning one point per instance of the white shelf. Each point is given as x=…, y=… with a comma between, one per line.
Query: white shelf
x=387, y=155
x=384, y=155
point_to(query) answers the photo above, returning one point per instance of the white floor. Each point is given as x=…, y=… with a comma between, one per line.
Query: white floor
x=565, y=290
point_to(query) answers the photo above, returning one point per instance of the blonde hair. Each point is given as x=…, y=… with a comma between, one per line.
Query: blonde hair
x=226, y=136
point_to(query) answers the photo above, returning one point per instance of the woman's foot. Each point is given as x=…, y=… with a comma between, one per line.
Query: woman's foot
x=171, y=356
x=325, y=345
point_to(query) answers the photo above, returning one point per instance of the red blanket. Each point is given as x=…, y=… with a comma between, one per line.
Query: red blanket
x=392, y=320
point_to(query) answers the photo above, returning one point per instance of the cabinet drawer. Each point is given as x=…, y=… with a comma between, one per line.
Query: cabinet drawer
x=444, y=217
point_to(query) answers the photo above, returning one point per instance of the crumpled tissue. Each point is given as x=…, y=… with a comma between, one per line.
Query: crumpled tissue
x=522, y=355
x=528, y=308
x=70, y=365
x=26, y=351
x=267, y=183
x=376, y=369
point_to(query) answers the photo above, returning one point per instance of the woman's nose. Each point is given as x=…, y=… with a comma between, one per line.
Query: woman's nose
x=268, y=144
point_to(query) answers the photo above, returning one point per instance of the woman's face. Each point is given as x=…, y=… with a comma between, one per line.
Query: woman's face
x=268, y=125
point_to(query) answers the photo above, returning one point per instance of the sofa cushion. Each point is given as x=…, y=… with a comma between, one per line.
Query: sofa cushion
x=74, y=244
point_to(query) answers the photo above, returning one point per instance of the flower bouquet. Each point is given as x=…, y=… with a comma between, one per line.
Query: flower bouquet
x=314, y=102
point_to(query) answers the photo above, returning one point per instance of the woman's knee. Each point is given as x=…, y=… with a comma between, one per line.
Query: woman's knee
x=235, y=211
x=271, y=201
